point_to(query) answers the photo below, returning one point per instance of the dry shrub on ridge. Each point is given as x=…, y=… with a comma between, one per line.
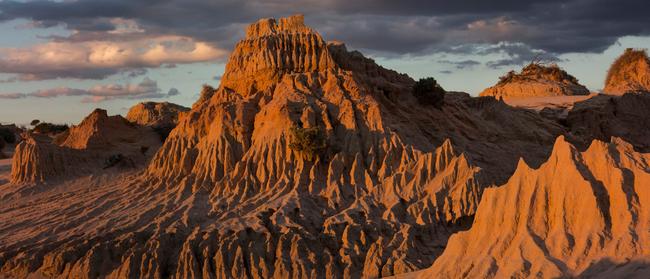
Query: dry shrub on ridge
x=628, y=57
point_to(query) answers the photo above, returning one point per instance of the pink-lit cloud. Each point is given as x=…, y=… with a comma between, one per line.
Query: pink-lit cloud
x=97, y=59
x=12, y=95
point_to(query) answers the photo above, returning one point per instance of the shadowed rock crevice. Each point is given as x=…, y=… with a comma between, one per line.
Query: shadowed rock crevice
x=603, y=117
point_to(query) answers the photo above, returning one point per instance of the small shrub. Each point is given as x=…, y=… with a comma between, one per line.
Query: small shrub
x=49, y=128
x=8, y=135
x=429, y=92
x=34, y=122
x=310, y=142
x=507, y=77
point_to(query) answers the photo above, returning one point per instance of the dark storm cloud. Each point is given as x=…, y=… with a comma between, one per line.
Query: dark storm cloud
x=462, y=64
x=516, y=53
x=383, y=27
x=508, y=54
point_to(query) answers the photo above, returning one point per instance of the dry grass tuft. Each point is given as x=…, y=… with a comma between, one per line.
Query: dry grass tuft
x=629, y=57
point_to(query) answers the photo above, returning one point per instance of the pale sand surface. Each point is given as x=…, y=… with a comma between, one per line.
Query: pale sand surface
x=539, y=103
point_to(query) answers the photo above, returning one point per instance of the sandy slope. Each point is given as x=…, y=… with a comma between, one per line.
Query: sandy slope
x=552, y=102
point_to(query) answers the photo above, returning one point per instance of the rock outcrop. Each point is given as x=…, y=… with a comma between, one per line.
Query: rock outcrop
x=155, y=114
x=161, y=117
x=229, y=196
x=630, y=73
x=579, y=214
x=536, y=80
x=270, y=50
x=605, y=116
x=99, y=141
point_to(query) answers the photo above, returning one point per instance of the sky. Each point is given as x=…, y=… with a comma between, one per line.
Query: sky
x=61, y=59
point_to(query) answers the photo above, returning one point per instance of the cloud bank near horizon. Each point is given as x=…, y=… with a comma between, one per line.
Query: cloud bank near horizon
x=147, y=89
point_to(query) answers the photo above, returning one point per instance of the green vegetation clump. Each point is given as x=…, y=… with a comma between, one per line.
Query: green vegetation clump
x=49, y=128
x=310, y=142
x=538, y=71
x=7, y=135
x=429, y=92
x=629, y=57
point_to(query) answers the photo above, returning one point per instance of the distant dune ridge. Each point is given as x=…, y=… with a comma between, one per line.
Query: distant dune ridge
x=630, y=73
x=312, y=161
x=536, y=80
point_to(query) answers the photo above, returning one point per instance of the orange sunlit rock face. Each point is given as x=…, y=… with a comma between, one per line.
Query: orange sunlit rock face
x=579, y=214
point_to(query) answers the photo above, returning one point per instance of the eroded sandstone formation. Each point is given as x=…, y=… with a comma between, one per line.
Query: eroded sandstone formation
x=99, y=141
x=270, y=50
x=163, y=114
x=630, y=73
x=579, y=214
x=229, y=196
x=536, y=80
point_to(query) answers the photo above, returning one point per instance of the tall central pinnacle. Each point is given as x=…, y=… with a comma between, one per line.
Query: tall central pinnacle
x=274, y=48
x=269, y=26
